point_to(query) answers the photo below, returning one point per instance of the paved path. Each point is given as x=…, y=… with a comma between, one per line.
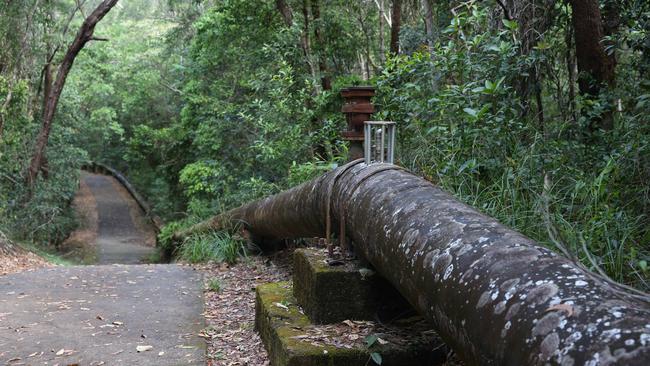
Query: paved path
x=99, y=315
x=119, y=240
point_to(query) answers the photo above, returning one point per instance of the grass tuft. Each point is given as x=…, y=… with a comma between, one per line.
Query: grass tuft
x=213, y=247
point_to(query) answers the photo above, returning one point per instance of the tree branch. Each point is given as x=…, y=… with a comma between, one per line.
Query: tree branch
x=506, y=12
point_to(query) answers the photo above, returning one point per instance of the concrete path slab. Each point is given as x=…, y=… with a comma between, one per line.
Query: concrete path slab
x=98, y=315
x=119, y=240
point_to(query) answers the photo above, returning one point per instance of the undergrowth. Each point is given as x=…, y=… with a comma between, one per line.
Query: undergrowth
x=219, y=246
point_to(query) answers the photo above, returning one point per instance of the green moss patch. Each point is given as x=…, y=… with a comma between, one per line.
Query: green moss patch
x=292, y=340
x=330, y=294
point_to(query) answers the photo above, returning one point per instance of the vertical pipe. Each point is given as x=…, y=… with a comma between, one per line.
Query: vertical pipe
x=367, y=141
x=377, y=152
x=391, y=150
x=382, y=152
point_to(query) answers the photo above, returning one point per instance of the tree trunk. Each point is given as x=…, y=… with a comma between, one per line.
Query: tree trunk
x=495, y=296
x=396, y=24
x=428, y=21
x=382, y=31
x=534, y=17
x=84, y=35
x=285, y=11
x=326, y=81
x=611, y=24
x=571, y=70
x=595, y=66
x=47, y=85
x=287, y=16
x=306, y=43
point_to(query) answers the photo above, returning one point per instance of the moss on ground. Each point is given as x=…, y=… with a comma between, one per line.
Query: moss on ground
x=282, y=326
x=330, y=294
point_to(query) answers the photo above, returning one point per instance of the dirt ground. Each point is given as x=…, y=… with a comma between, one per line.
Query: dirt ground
x=14, y=259
x=230, y=310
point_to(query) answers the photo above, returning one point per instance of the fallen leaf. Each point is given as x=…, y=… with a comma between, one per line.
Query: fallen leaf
x=143, y=348
x=60, y=352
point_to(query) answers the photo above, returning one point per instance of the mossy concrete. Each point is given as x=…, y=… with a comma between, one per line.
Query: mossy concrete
x=333, y=293
x=281, y=324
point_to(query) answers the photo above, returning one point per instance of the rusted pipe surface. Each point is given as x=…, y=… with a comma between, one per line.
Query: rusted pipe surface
x=494, y=295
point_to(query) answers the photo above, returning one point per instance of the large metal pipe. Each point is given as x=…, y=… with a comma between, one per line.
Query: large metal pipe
x=494, y=295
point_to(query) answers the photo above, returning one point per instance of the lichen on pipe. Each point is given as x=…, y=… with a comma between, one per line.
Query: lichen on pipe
x=494, y=295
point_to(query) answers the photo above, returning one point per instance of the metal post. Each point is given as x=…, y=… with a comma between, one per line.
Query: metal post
x=367, y=131
x=391, y=152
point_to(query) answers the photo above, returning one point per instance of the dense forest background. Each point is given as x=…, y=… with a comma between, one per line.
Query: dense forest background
x=534, y=111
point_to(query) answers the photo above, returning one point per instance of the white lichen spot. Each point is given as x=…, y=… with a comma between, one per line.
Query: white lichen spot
x=644, y=338
x=610, y=334
x=595, y=361
x=580, y=283
x=574, y=337
x=630, y=342
x=494, y=295
x=500, y=308
x=617, y=314
x=504, y=331
x=448, y=272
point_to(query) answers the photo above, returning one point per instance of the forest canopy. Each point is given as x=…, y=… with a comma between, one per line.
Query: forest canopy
x=533, y=111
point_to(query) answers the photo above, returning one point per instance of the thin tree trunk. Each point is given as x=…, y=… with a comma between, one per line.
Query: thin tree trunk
x=285, y=11
x=571, y=70
x=326, y=81
x=306, y=43
x=382, y=31
x=538, y=99
x=4, y=109
x=428, y=22
x=287, y=16
x=396, y=23
x=611, y=24
x=47, y=86
x=494, y=295
x=84, y=35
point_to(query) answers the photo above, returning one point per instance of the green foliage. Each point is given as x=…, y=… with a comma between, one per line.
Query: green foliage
x=46, y=217
x=461, y=126
x=213, y=246
x=209, y=104
x=214, y=285
x=372, y=340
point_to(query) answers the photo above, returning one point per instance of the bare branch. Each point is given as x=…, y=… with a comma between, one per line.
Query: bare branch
x=380, y=6
x=506, y=12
